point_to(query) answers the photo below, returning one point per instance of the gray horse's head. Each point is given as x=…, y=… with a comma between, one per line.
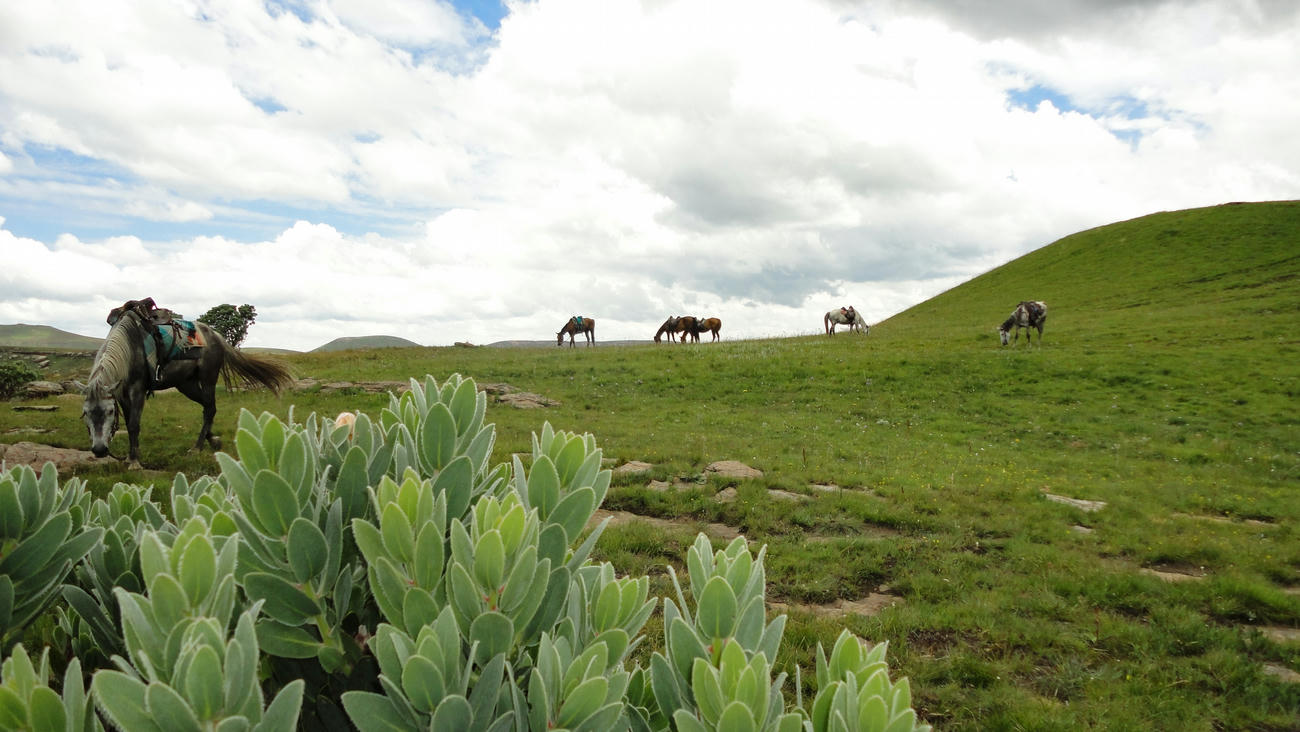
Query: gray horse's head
x=99, y=412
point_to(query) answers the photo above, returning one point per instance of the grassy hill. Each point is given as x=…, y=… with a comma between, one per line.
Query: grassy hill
x=44, y=336
x=1165, y=388
x=357, y=342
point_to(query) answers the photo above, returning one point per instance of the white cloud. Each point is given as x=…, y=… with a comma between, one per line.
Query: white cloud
x=624, y=159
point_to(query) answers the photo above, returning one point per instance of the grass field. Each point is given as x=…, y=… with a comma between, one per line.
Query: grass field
x=1166, y=387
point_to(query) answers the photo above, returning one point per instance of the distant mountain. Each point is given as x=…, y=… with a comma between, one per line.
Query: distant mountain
x=355, y=342
x=44, y=336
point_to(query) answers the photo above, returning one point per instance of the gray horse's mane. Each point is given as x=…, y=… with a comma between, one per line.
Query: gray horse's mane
x=113, y=360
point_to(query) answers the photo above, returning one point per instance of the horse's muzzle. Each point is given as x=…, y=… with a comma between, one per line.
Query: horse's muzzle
x=99, y=451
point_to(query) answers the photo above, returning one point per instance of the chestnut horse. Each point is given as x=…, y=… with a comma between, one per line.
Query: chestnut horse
x=713, y=325
x=577, y=324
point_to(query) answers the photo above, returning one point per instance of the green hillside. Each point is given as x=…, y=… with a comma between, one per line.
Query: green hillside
x=44, y=336
x=1205, y=275
x=1165, y=391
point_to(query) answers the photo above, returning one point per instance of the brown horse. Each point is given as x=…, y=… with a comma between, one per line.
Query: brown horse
x=713, y=325
x=689, y=325
x=669, y=327
x=577, y=324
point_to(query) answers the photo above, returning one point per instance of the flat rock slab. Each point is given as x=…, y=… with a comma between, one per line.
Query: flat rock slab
x=526, y=400
x=718, y=531
x=1079, y=503
x=732, y=469
x=633, y=467
x=869, y=606
x=36, y=455
x=34, y=408
x=1173, y=575
x=727, y=495
x=1282, y=673
x=38, y=389
x=1279, y=634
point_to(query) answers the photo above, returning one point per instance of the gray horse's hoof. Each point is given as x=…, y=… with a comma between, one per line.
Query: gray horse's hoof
x=215, y=443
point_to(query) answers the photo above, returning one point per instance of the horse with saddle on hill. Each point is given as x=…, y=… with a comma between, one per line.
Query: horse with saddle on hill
x=668, y=328
x=845, y=316
x=149, y=349
x=577, y=324
x=1028, y=314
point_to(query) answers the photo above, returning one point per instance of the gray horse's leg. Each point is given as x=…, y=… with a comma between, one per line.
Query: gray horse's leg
x=205, y=396
x=132, y=407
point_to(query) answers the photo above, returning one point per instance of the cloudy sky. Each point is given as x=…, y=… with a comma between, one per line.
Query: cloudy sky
x=479, y=170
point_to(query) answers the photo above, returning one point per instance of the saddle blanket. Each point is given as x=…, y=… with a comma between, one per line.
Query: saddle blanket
x=178, y=338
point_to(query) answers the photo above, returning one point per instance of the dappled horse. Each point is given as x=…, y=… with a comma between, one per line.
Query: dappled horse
x=669, y=327
x=577, y=324
x=122, y=376
x=713, y=325
x=845, y=316
x=1028, y=314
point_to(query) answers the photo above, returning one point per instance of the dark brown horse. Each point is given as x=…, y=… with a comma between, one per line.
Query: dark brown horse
x=577, y=324
x=713, y=325
x=122, y=377
x=688, y=325
x=669, y=327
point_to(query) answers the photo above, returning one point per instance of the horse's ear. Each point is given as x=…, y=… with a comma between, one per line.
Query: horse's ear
x=83, y=388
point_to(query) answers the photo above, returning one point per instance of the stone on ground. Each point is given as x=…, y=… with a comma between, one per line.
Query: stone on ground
x=36, y=455
x=632, y=467
x=1079, y=503
x=732, y=469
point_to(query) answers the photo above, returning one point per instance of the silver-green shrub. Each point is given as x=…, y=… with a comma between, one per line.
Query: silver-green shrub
x=398, y=571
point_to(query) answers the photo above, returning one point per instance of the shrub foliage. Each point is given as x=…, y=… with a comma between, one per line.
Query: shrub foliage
x=15, y=373
x=383, y=574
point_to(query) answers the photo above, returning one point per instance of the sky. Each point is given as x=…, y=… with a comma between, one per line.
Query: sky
x=481, y=170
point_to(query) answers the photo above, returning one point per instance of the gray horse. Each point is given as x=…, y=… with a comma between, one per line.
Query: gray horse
x=122, y=377
x=1028, y=314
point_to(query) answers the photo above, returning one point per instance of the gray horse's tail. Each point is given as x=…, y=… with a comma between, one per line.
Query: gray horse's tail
x=251, y=369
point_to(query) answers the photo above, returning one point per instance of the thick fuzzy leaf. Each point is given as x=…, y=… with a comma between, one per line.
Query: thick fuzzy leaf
x=284, y=602
x=275, y=505
x=454, y=713
x=286, y=641
x=307, y=549
x=375, y=713
x=203, y=687
x=198, y=569
x=169, y=709
x=716, y=614
x=121, y=699
x=282, y=713
x=494, y=634
x=45, y=710
x=437, y=437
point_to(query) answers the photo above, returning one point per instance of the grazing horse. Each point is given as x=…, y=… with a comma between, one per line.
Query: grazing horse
x=1028, y=314
x=122, y=377
x=577, y=324
x=669, y=327
x=689, y=326
x=845, y=316
x=713, y=325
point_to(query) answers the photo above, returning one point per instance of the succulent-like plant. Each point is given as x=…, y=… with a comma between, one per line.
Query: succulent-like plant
x=184, y=670
x=28, y=703
x=42, y=536
x=854, y=693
